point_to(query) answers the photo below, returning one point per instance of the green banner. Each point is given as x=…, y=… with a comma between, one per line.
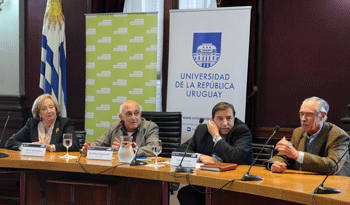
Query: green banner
x=121, y=64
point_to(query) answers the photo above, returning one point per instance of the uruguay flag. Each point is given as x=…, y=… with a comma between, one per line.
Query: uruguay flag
x=53, y=54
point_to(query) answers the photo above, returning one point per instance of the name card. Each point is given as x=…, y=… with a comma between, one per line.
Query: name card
x=34, y=150
x=190, y=159
x=100, y=153
x=99, y=162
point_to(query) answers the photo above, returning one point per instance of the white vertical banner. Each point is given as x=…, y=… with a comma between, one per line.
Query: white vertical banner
x=208, y=62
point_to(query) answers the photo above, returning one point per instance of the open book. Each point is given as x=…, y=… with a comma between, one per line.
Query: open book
x=219, y=166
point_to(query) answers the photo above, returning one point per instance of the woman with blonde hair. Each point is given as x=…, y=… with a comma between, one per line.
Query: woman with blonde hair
x=46, y=127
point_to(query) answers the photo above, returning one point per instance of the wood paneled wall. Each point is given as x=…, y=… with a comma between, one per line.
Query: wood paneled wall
x=305, y=48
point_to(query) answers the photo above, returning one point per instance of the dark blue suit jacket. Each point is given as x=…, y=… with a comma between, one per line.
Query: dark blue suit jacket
x=235, y=148
x=29, y=133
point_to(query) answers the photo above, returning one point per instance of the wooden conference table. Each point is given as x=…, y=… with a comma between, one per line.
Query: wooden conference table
x=148, y=185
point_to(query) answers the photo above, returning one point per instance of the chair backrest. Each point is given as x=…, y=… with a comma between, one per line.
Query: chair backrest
x=170, y=125
x=266, y=153
x=81, y=137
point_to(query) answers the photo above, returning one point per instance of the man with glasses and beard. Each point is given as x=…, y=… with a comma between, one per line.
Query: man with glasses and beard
x=316, y=146
x=225, y=138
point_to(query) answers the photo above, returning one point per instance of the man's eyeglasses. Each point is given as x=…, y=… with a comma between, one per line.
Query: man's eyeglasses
x=306, y=114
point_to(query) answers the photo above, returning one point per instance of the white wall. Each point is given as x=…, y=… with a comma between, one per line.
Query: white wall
x=12, y=48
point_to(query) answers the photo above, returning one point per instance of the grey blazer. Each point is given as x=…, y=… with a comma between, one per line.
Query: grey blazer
x=148, y=129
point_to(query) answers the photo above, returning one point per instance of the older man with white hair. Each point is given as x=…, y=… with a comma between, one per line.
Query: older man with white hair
x=131, y=124
x=316, y=146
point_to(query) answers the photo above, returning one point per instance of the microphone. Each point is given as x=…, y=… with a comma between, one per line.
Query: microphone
x=186, y=169
x=118, y=126
x=2, y=135
x=247, y=176
x=321, y=189
x=135, y=161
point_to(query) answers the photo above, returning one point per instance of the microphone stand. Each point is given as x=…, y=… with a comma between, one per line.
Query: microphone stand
x=180, y=168
x=321, y=189
x=2, y=155
x=134, y=161
x=247, y=176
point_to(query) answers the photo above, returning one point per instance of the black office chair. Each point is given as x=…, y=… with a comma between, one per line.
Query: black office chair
x=81, y=135
x=169, y=124
x=266, y=153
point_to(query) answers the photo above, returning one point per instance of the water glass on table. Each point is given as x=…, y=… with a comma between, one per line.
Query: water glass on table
x=67, y=142
x=156, y=149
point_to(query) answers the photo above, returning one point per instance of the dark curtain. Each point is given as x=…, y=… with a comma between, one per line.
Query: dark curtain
x=253, y=78
x=107, y=6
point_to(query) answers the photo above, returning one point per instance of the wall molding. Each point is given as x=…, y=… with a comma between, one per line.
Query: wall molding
x=266, y=132
x=261, y=134
x=15, y=105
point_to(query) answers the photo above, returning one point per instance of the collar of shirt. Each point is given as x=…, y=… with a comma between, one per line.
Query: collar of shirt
x=125, y=131
x=313, y=136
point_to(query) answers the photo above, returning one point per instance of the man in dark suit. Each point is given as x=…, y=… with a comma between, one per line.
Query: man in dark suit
x=316, y=146
x=225, y=138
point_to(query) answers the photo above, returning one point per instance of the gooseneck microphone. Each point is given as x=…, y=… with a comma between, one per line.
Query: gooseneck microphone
x=2, y=135
x=135, y=161
x=186, y=169
x=321, y=189
x=247, y=176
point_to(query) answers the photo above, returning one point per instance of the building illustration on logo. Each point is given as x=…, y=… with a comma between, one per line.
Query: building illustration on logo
x=206, y=49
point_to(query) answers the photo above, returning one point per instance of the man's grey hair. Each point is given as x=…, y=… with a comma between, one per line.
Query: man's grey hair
x=322, y=106
x=122, y=107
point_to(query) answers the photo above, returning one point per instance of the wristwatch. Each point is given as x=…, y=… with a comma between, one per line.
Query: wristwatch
x=52, y=148
x=215, y=136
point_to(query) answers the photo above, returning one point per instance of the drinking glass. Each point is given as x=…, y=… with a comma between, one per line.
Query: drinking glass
x=67, y=142
x=156, y=149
